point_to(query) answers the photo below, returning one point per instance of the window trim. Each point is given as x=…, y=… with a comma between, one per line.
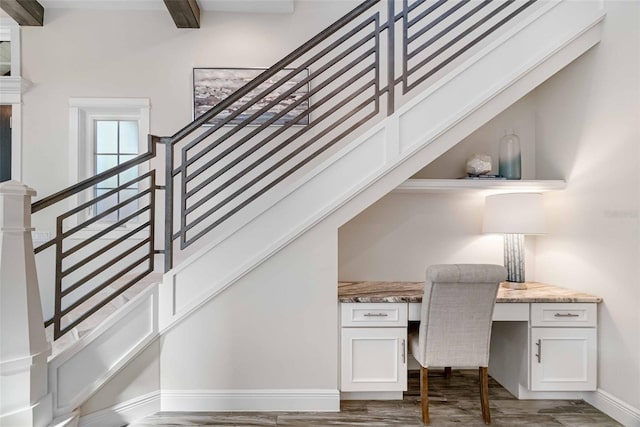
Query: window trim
x=11, y=90
x=83, y=112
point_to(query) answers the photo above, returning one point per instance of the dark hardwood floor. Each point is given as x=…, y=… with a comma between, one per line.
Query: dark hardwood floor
x=454, y=402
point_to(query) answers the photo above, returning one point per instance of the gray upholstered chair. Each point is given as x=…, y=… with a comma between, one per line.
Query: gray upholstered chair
x=455, y=323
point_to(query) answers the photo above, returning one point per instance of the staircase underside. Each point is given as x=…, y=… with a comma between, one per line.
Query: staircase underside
x=334, y=192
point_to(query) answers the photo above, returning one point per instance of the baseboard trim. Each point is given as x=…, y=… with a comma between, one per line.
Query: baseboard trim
x=125, y=412
x=250, y=400
x=617, y=409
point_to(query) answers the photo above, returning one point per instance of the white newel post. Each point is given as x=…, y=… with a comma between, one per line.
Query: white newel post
x=24, y=398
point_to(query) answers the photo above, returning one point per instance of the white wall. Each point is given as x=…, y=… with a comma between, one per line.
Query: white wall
x=401, y=234
x=273, y=329
x=588, y=132
x=141, y=54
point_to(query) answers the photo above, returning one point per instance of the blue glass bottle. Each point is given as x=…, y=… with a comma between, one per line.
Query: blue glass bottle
x=509, y=164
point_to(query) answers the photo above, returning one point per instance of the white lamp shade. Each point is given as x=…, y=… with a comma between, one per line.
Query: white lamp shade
x=518, y=213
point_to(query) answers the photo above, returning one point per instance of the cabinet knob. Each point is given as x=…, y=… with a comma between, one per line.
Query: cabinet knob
x=566, y=315
x=539, y=354
x=375, y=315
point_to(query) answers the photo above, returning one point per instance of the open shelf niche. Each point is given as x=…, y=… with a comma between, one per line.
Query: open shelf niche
x=440, y=176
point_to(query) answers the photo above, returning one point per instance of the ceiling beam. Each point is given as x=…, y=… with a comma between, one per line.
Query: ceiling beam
x=185, y=13
x=24, y=12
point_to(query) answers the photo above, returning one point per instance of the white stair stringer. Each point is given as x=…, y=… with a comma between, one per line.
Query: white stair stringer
x=388, y=153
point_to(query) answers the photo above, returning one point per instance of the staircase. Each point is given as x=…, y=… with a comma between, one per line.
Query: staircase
x=390, y=91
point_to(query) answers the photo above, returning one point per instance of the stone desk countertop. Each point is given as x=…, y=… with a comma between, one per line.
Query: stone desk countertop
x=412, y=292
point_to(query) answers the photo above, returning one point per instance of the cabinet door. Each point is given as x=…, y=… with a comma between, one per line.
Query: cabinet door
x=374, y=359
x=563, y=359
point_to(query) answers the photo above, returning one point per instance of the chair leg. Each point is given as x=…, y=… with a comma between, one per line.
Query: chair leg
x=484, y=395
x=447, y=372
x=424, y=395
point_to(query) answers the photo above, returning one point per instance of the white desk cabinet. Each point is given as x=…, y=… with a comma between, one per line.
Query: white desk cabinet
x=374, y=359
x=373, y=347
x=563, y=347
x=544, y=340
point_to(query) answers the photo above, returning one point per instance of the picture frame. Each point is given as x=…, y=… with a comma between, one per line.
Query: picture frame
x=212, y=85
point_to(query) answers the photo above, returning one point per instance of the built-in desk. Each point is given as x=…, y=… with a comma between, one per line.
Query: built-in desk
x=543, y=339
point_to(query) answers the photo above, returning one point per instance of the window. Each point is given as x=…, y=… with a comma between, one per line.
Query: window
x=105, y=132
x=116, y=141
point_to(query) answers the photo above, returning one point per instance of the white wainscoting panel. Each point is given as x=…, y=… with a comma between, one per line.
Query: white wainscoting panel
x=78, y=372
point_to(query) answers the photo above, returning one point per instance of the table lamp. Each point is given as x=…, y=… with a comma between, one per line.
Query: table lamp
x=514, y=214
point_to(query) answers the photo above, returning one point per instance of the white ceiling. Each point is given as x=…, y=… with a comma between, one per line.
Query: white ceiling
x=245, y=6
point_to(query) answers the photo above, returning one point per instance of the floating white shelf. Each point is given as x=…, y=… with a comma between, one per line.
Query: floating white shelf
x=485, y=185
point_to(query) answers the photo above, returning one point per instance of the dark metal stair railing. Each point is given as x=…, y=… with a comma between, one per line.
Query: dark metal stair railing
x=71, y=259
x=231, y=155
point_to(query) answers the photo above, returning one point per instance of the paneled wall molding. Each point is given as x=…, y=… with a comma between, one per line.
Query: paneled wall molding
x=103, y=352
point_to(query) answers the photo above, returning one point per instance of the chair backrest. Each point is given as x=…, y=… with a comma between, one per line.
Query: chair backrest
x=457, y=308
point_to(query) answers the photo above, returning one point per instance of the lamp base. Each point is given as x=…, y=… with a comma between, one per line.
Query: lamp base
x=518, y=286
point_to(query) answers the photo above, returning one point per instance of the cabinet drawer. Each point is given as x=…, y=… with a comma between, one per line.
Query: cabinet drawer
x=564, y=314
x=373, y=314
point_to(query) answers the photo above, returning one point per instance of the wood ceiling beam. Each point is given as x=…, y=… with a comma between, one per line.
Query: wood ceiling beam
x=185, y=13
x=24, y=12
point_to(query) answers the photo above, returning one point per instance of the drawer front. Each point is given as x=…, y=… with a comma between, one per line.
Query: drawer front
x=565, y=314
x=373, y=314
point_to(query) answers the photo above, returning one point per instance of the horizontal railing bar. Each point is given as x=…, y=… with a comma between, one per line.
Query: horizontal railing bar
x=426, y=13
x=468, y=45
x=459, y=37
x=84, y=206
x=104, y=302
x=90, y=182
x=105, y=267
x=95, y=200
x=263, y=142
x=447, y=30
x=279, y=163
x=104, y=249
x=286, y=142
x=253, y=133
x=104, y=214
x=438, y=20
x=271, y=71
x=278, y=180
x=275, y=102
x=104, y=232
x=49, y=322
x=415, y=5
x=294, y=72
x=102, y=286
x=44, y=246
